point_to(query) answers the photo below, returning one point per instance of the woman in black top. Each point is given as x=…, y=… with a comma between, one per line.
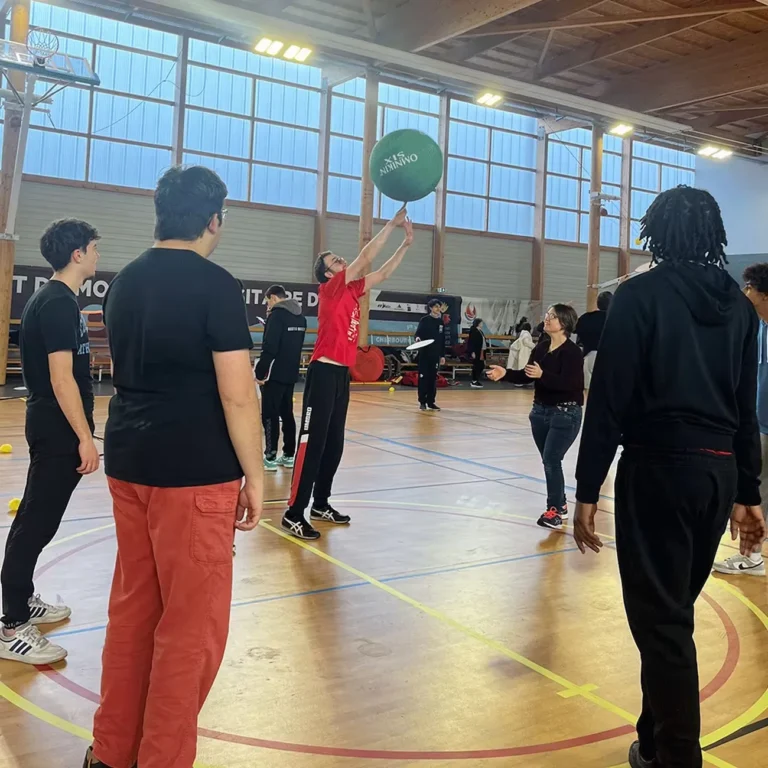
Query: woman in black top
x=476, y=349
x=557, y=368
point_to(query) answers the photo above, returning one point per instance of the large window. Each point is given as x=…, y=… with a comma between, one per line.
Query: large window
x=255, y=120
x=491, y=170
x=118, y=133
x=569, y=171
x=398, y=108
x=656, y=169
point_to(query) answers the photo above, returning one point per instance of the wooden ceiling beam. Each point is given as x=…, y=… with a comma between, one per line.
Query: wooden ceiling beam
x=610, y=21
x=537, y=13
x=728, y=116
x=611, y=46
x=418, y=24
x=740, y=65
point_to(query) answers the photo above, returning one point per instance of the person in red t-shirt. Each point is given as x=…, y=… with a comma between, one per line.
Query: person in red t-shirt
x=326, y=394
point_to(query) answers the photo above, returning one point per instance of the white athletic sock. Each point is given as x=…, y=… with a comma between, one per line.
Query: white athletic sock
x=756, y=557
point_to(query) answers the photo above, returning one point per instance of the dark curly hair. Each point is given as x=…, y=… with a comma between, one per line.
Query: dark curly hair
x=185, y=201
x=756, y=275
x=684, y=224
x=62, y=238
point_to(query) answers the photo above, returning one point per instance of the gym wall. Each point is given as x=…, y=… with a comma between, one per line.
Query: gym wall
x=257, y=245
x=565, y=273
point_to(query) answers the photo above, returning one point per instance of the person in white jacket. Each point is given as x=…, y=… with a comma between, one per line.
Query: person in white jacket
x=520, y=349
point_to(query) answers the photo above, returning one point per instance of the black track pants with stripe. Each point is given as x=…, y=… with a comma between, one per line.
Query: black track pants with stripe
x=321, y=440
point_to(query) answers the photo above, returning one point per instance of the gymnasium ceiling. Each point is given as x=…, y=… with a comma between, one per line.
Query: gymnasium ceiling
x=702, y=63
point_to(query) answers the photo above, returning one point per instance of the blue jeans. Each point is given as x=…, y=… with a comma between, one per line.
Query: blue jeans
x=554, y=428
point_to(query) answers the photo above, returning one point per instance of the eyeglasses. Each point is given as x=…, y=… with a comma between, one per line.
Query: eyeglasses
x=550, y=316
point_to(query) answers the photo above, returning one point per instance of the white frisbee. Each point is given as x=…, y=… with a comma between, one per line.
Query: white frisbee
x=420, y=344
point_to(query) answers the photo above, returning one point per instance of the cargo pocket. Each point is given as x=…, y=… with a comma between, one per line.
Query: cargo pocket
x=213, y=527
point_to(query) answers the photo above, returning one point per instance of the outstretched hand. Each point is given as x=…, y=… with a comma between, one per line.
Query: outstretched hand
x=400, y=217
x=408, y=228
x=496, y=373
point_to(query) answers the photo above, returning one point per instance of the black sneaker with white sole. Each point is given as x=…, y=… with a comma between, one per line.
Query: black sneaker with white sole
x=301, y=529
x=422, y=407
x=551, y=519
x=434, y=407
x=476, y=385
x=329, y=515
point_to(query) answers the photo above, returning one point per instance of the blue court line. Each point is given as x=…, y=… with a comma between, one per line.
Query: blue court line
x=512, y=475
x=339, y=587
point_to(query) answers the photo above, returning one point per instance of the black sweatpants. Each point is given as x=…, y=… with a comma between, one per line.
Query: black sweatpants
x=277, y=406
x=478, y=366
x=51, y=479
x=321, y=439
x=671, y=511
x=428, y=368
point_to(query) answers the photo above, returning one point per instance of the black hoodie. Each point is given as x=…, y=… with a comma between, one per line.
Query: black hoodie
x=676, y=370
x=283, y=340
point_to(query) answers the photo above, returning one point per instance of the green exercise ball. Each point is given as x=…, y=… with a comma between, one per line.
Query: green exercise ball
x=406, y=165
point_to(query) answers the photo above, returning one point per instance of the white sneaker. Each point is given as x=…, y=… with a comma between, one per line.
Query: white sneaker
x=28, y=646
x=42, y=613
x=740, y=565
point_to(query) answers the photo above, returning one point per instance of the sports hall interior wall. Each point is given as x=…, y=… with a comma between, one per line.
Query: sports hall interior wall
x=276, y=245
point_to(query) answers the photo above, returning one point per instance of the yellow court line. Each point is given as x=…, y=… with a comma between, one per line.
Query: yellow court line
x=74, y=536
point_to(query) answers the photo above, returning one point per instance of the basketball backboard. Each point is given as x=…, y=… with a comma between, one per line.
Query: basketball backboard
x=60, y=66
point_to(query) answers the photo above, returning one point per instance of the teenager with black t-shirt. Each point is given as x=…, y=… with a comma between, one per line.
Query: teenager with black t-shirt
x=674, y=383
x=56, y=363
x=277, y=372
x=557, y=369
x=476, y=350
x=326, y=392
x=183, y=432
x=432, y=357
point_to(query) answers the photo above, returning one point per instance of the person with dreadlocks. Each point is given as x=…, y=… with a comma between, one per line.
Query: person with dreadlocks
x=675, y=384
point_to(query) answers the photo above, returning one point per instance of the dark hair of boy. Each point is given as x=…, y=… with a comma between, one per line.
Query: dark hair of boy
x=62, y=238
x=186, y=199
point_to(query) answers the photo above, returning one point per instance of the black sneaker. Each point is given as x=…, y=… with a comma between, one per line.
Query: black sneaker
x=301, y=529
x=422, y=407
x=563, y=511
x=551, y=519
x=636, y=760
x=476, y=385
x=434, y=407
x=329, y=515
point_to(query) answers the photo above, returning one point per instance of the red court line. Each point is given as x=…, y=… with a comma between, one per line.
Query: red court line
x=721, y=678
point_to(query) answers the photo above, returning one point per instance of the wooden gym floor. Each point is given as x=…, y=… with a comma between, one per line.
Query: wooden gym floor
x=442, y=628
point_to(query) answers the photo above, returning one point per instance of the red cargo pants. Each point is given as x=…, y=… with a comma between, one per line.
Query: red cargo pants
x=168, y=621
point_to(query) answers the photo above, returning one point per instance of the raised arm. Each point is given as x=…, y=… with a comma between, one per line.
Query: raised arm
x=388, y=267
x=362, y=264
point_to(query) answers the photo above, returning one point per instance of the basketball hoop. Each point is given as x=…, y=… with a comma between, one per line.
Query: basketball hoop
x=42, y=45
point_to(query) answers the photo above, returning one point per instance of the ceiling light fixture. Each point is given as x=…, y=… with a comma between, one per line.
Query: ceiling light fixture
x=263, y=45
x=275, y=48
x=303, y=54
x=489, y=99
x=621, y=129
x=716, y=153
x=722, y=154
x=291, y=52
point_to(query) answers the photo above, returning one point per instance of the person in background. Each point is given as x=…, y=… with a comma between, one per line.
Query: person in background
x=520, y=349
x=756, y=290
x=432, y=357
x=183, y=430
x=675, y=383
x=56, y=363
x=277, y=371
x=476, y=349
x=589, y=329
x=326, y=393
x=556, y=368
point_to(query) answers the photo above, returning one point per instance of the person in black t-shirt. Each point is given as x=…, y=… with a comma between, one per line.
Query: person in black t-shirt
x=183, y=430
x=589, y=329
x=432, y=357
x=55, y=360
x=675, y=383
x=278, y=371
